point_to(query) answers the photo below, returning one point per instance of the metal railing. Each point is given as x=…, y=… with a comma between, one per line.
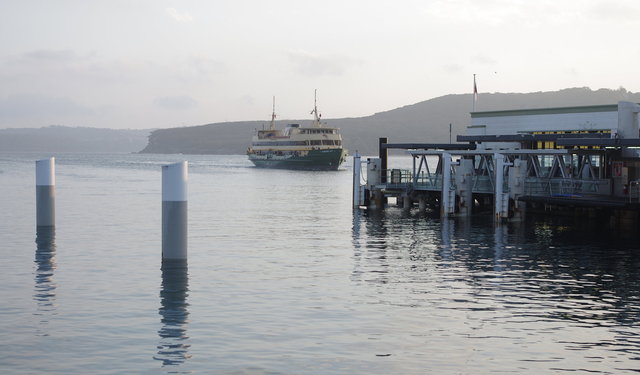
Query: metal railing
x=428, y=181
x=403, y=179
x=565, y=186
x=484, y=184
x=398, y=178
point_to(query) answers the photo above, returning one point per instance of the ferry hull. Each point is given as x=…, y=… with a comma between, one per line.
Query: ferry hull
x=316, y=160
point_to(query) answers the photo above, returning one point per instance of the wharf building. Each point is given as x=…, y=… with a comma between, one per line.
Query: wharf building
x=573, y=160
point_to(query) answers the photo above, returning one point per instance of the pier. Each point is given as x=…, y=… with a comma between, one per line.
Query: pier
x=544, y=160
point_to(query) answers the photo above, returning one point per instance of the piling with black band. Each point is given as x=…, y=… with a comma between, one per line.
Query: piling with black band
x=45, y=192
x=174, y=211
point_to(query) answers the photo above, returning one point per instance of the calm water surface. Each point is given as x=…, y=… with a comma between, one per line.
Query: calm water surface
x=284, y=278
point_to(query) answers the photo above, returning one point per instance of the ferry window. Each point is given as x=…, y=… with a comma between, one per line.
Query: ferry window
x=316, y=142
x=282, y=143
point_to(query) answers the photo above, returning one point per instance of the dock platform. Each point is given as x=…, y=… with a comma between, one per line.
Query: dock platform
x=460, y=179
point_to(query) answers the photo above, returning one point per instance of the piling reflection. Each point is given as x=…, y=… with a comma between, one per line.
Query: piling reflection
x=45, y=286
x=561, y=270
x=173, y=347
x=355, y=230
x=369, y=245
x=499, y=241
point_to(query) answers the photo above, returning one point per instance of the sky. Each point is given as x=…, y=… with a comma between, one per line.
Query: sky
x=160, y=64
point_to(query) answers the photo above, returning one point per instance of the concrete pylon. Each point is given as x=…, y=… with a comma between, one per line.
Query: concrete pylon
x=464, y=186
x=447, y=201
x=501, y=200
x=517, y=176
x=358, y=196
x=46, y=192
x=174, y=210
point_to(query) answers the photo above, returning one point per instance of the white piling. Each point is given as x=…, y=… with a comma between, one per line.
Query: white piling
x=358, y=198
x=501, y=200
x=517, y=176
x=447, y=202
x=464, y=186
x=46, y=192
x=406, y=203
x=174, y=210
x=422, y=204
x=374, y=167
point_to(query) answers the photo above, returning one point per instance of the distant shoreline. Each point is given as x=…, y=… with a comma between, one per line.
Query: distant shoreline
x=426, y=122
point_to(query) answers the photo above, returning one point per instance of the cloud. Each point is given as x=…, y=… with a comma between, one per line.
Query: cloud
x=314, y=65
x=204, y=67
x=34, y=106
x=491, y=12
x=39, y=69
x=619, y=11
x=176, y=103
x=248, y=100
x=477, y=61
x=50, y=55
x=572, y=72
x=47, y=59
x=179, y=16
x=484, y=59
x=453, y=68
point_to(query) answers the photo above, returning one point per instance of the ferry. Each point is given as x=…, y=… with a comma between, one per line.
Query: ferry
x=316, y=147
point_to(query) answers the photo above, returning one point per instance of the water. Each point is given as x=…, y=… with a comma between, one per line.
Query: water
x=284, y=278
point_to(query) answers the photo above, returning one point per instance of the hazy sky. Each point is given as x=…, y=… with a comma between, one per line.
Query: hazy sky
x=156, y=63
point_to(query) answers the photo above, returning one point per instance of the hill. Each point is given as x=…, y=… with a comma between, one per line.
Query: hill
x=427, y=121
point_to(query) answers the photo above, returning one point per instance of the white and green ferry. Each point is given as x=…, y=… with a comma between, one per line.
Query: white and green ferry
x=316, y=147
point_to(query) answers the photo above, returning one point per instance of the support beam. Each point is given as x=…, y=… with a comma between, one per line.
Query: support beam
x=431, y=146
x=529, y=137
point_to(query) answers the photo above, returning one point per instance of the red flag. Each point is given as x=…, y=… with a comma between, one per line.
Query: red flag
x=475, y=89
x=475, y=93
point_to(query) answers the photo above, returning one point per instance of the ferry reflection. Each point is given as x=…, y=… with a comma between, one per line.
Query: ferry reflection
x=173, y=347
x=45, y=287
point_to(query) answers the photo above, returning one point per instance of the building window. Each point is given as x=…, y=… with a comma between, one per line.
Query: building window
x=549, y=145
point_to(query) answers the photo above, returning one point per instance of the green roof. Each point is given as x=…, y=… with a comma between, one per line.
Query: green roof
x=548, y=111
